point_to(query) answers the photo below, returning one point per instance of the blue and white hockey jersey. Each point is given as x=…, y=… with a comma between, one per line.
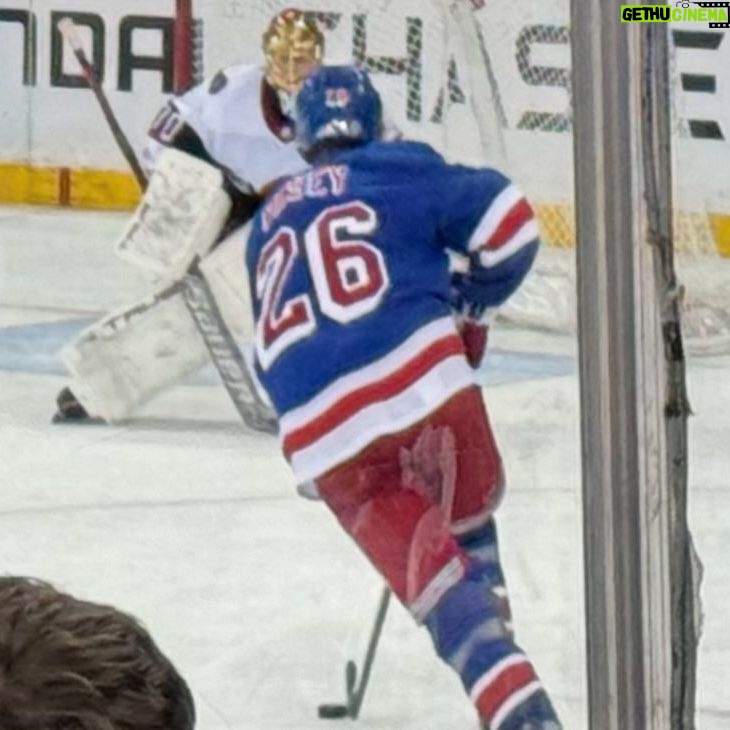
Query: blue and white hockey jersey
x=352, y=294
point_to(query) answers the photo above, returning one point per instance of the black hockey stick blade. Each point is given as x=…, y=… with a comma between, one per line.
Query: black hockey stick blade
x=333, y=711
x=356, y=690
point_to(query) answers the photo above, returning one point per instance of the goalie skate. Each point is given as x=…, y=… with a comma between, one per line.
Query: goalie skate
x=71, y=411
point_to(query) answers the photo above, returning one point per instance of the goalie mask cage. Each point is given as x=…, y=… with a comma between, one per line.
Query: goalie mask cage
x=488, y=82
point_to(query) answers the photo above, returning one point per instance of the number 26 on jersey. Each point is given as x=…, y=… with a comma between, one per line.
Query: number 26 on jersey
x=348, y=273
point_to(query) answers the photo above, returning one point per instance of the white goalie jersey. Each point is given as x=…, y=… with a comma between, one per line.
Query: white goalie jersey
x=233, y=121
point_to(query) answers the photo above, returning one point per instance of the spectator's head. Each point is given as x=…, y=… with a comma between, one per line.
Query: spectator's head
x=66, y=664
x=336, y=106
x=293, y=47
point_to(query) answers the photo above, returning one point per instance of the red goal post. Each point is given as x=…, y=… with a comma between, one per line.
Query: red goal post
x=183, y=74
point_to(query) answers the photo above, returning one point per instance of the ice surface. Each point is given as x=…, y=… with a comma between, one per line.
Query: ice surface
x=187, y=520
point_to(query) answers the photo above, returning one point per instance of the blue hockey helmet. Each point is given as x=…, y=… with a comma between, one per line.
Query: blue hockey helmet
x=337, y=103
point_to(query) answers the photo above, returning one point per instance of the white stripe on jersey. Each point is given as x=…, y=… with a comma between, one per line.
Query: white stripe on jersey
x=446, y=579
x=527, y=233
x=343, y=386
x=494, y=215
x=511, y=660
x=514, y=701
x=383, y=417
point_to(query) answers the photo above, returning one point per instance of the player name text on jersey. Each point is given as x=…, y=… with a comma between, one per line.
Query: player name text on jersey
x=328, y=180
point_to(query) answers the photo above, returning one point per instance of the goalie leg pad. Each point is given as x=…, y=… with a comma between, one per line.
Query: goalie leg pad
x=224, y=270
x=122, y=361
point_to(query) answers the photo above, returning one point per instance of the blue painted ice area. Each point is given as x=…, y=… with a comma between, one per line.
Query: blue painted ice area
x=35, y=348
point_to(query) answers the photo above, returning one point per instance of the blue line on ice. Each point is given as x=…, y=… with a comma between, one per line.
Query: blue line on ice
x=35, y=349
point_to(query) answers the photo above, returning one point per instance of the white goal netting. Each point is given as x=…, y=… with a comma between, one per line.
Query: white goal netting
x=489, y=82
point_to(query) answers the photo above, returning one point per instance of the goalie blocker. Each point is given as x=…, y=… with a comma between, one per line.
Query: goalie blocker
x=123, y=360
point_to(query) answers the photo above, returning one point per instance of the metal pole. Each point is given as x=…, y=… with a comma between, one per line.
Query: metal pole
x=607, y=181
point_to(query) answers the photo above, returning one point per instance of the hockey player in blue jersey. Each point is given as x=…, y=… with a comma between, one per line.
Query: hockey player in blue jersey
x=359, y=347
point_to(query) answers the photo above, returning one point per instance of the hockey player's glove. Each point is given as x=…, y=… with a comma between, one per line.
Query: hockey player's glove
x=474, y=336
x=470, y=302
x=481, y=288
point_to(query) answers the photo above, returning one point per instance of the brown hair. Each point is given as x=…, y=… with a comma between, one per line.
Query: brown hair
x=67, y=664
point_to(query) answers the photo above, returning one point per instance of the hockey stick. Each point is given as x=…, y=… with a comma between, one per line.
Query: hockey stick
x=356, y=690
x=198, y=298
x=69, y=31
x=225, y=353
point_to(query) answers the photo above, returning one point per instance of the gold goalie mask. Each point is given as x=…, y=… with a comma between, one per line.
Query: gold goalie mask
x=293, y=46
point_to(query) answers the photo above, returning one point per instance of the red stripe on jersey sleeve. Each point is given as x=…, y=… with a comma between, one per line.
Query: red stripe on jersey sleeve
x=520, y=213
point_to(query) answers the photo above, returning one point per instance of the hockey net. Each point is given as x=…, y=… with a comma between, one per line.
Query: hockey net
x=485, y=82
